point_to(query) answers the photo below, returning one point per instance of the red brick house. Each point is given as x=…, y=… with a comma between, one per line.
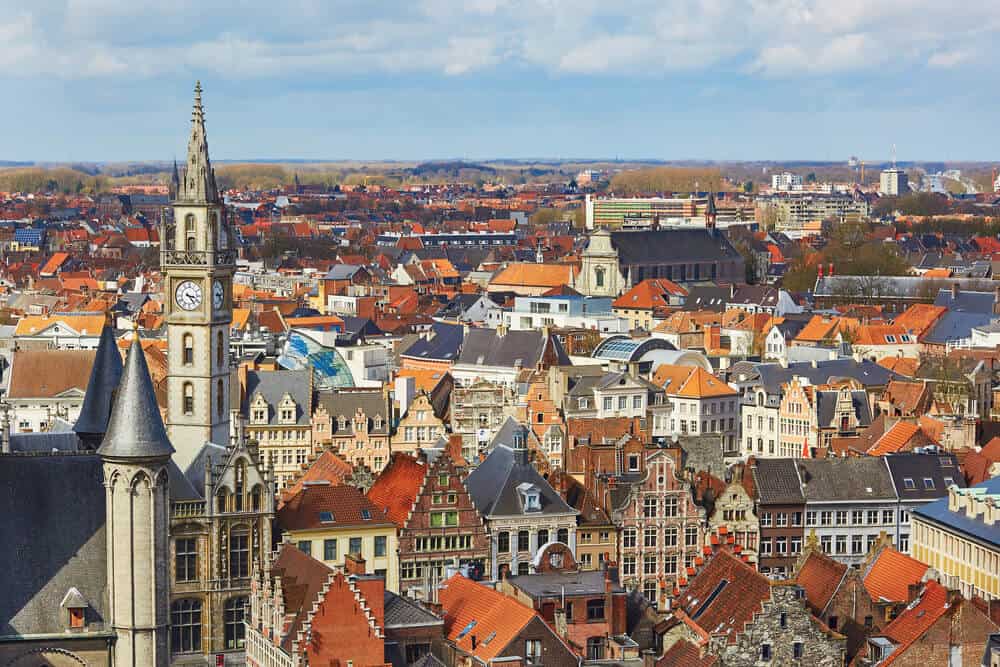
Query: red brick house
x=438, y=524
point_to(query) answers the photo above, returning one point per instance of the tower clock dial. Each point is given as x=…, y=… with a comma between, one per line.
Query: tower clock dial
x=188, y=295
x=218, y=295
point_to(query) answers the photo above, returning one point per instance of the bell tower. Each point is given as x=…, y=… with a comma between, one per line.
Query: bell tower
x=197, y=258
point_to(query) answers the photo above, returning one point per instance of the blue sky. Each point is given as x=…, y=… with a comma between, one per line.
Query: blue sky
x=429, y=79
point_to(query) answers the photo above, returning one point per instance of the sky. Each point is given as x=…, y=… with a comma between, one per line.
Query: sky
x=112, y=80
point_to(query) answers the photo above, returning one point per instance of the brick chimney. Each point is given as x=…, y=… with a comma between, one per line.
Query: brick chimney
x=354, y=564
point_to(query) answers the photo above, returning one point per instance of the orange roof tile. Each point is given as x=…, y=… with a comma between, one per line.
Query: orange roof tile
x=543, y=275
x=327, y=467
x=53, y=264
x=465, y=603
x=906, y=366
x=423, y=380
x=397, y=487
x=690, y=382
x=917, y=619
x=894, y=439
x=346, y=504
x=891, y=574
x=818, y=329
x=819, y=577
x=650, y=293
x=920, y=317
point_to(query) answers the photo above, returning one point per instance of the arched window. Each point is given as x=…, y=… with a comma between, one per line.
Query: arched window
x=562, y=535
x=760, y=398
x=239, y=553
x=188, y=398
x=188, y=349
x=220, y=501
x=220, y=350
x=232, y=616
x=241, y=473
x=255, y=499
x=190, y=242
x=185, y=626
x=220, y=399
x=189, y=223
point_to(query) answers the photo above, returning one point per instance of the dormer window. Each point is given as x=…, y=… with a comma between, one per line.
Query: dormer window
x=76, y=609
x=287, y=410
x=531, y=497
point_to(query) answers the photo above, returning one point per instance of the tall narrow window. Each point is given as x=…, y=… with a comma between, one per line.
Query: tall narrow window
x=220, y=399
x=185, y=559
x=190, y=242
x=220, y=351
x=185, y=626
x=233, y=616
x=188, y=349
x=188, y=398
x=239, y=553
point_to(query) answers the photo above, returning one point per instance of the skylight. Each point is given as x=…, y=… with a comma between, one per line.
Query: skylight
x=467, y=629
x=366, y=515
x=326, y=517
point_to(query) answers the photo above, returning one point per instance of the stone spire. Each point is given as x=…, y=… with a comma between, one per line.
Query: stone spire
x=199, y=178
x=175, y=183
x=105, y=375
x=135, y=429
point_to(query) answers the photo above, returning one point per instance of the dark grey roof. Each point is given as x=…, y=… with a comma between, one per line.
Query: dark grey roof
x=105, y=375
x=493, y=485
x=867, y=372
x=826, y=403
x=401, y=612
x=956, y=324
x=443, y=343
x=761, y=295
x=552, y=584
x=273, y=385
x=909, y=470
x=487, y=347
x=977, y=528
x=966, y=301
x=342, y=271
x=706, y=297
x=671, y=245
x=45, y=442
x=346, y=403
x=135, y=429
x=776, y=482
x=846, y=479
x=195, y=473
x=52, y=538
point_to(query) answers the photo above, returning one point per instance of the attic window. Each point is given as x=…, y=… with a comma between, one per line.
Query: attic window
x=366, y=515
x=928, y=483
x=945, y=461
x=76, y=617
x=909, y=484
x=326, y=517
x=890, y=339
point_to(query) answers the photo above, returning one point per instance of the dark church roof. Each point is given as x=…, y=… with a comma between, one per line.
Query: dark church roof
x=135, y=429
x=664, y=246
x=105, y=375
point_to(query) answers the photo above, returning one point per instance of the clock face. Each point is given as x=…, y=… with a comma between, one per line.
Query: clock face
x=218, y=295
x=188, y=295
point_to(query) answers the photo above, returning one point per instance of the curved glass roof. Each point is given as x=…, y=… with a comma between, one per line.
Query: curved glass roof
x=624, y=348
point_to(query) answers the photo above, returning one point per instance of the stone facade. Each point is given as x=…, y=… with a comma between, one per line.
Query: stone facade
x=419, y=428
x=734, y=511
x=788, y=633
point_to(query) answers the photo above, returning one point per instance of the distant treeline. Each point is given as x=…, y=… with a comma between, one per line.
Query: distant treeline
x=668, y=179
x=61, y=179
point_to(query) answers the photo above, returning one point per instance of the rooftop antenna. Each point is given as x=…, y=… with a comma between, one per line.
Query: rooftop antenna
x=893, y=151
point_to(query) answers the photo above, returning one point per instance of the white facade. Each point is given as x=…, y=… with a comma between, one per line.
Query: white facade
x=786, y=181
x=759, y=425
x=893, y=182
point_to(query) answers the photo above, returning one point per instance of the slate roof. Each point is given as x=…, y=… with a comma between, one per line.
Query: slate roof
x=105, y=374
x=487, y=347
x=845, y=479
x=402, y=612
x=52, y=538
x=776, y=482
x=866, y=372
x=135, y=429
x=827, y=403
x=346, y=403
x=938, y=512
x=443, y=345
x=966, y=302
x=273, y=385
x=918, y=467
x=953, y=325
x=493, y=486
x=663, y=246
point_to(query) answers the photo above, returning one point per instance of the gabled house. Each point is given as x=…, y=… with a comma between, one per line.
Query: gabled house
x=440, y=530
x=355, y=423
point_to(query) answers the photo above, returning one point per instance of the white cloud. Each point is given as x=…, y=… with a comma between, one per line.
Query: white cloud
x=775, y=38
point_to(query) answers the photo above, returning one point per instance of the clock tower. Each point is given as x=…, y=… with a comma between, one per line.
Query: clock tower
x=197, y=258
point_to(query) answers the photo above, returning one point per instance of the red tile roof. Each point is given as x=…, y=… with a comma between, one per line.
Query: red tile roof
x=465, y=603
x=649, y=294
x=346, y=504
x=738, y=591
x=820, y=577
x=397, y=487
x=327, y=467
x=685, y=654
x=895, y=439
x=891, y=574
x=917, y=619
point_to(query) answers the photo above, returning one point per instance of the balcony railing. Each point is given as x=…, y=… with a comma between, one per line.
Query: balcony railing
x=187, y=508
x=197, y=258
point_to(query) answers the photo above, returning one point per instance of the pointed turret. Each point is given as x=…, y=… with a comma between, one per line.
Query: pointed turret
x=199, y=178
x=104, y=378
x=135, y=430
x=710, y=212
x=175, y=183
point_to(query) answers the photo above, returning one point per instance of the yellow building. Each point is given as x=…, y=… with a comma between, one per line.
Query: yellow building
x=330, y=521
x=959, y=536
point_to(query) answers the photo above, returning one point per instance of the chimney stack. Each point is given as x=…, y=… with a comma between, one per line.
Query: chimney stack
x=954, y=291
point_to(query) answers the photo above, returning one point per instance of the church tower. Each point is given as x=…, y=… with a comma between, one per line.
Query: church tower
x=197, y=257
x=135, y=454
